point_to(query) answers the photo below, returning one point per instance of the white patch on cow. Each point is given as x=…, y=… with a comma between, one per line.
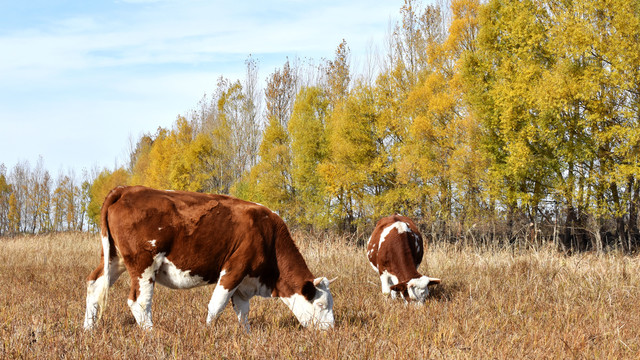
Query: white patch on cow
x=400, y=226
x=387, y=280
x=141, y=307
x=171, y=276
x=251, y=286
x=416, y=238
x=152, y=242
x=317, y=313
x=104, y=240
x=369, y=241
x=265, y=208
x=418, y=288
x=374, y=266
x=94, y=290
x=241, y=307
x=160, y=228
x=219, y=299
x=97, y=290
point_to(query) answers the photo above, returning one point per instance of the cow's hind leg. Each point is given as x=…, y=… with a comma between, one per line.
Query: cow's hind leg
x=141, y=293
x=98, y=283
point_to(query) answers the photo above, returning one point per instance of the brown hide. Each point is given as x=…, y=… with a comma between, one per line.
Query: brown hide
x=398, y=253
x=203, y=234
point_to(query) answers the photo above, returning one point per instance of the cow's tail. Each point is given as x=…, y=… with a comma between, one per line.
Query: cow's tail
x=108, y=249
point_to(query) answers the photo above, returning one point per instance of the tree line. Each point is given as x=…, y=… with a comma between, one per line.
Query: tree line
x=34, y=202
x=486, y=121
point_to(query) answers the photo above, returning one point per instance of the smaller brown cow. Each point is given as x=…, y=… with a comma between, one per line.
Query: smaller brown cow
x=395, y=250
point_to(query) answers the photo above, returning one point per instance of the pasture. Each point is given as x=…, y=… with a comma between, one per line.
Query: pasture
x=503, y=303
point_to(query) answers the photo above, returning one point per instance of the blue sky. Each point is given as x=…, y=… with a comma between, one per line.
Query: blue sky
x=79, y=79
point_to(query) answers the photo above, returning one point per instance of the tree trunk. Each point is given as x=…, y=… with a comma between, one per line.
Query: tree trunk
x=634, y=203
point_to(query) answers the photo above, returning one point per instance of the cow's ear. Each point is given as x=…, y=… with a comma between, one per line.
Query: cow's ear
x=308, y=290
x=401, y=287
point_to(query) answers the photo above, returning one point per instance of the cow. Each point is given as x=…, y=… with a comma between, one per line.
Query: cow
x=184, y=239
x=395, y=250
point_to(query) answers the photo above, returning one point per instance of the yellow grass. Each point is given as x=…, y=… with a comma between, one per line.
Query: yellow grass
x=493, y=303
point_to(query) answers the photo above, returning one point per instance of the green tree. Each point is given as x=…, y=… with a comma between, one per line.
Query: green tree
x=309, y=149
x=100, y=187
x=271, y=177
x=139, y=160
x=503, y=74
x=439, y=171
x=351, y=135
x=269, y=181
x=556, y=101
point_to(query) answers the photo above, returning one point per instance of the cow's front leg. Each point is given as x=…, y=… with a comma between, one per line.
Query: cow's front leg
x=241, y=307
x=385, y=281
x=220, y=297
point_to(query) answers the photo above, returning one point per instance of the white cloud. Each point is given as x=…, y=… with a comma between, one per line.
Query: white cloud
x=93, y=78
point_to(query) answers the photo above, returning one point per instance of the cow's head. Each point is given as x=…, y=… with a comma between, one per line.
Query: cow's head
x=415, y=289
x=314, y=307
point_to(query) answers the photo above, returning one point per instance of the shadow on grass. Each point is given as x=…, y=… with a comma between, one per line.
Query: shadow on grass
x=446, y=291
x=356, y=319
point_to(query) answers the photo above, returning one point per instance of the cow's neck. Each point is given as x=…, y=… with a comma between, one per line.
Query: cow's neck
x=407, y=272
x=291, y=265
x=403, y=266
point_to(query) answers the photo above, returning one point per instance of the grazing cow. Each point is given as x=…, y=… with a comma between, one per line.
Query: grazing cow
x=184, y=239
x=395, y=250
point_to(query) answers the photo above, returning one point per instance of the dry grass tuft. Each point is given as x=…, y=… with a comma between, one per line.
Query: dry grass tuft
x=493, y=303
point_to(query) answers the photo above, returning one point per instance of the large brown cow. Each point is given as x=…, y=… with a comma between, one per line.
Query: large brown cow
x=395, y=250
x=184, y=239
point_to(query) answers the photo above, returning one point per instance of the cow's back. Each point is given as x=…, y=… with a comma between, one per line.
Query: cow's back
x=395, y=243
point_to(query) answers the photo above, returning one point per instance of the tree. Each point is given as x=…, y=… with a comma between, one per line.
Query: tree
x=557, y=117
x=439, y=163
x=251, y=124
x=13, y=215
x=100, y=187
x=351, y=134
x=338, y=75
x=5, y=194
x=309, y=150
x=139, y=160
x=270, y=180
x=280, y=94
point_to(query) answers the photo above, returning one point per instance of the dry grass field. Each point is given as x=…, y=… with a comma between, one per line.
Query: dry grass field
x=492, y=304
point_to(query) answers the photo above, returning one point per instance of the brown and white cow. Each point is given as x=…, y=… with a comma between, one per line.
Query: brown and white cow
x=184, y=239
x=395, y=250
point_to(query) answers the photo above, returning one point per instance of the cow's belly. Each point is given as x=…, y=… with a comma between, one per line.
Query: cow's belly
x=252, y=286
x=170, y=276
